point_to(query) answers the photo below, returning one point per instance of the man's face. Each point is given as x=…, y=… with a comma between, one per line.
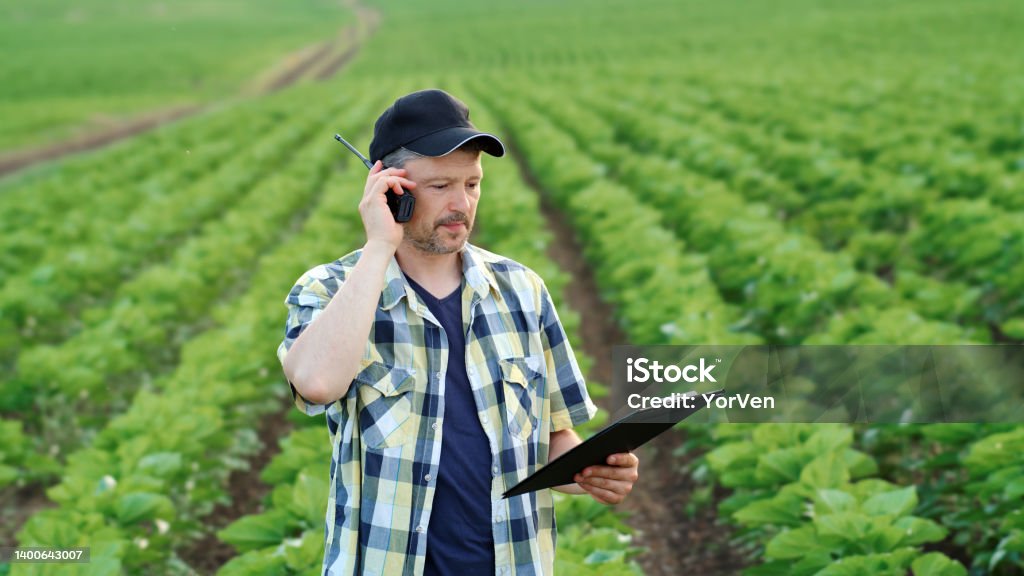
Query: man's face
x=447, y=190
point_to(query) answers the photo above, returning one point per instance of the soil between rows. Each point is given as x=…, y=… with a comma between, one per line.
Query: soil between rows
x=676, y=542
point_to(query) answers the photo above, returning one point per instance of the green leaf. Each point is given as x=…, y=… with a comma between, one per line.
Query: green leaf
x=138, y=506
x=307, y=552
x=1014, y=328
x=256, y=531
x=917, y=531
x=894, y=503
x=867, y=488
x=733, y=456
x=1013, y=491
x=782, y=466
x=604, y=556
x=937, y=564
x=798, y=543
x=825, y=471
x=309, y=497
x=257, y=563
x=848, y=526
x=160, y=464
x=829, y=501
x=830, y=439
x=783, y=510
x=893, y=563
x=859, y=464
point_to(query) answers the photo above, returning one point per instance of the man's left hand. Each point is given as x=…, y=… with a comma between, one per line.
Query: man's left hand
x=610, y=484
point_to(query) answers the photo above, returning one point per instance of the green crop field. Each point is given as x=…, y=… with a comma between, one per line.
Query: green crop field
x=793, y=172
x=71, y=66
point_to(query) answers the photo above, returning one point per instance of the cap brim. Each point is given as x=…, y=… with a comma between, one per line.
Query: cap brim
x=447, y=141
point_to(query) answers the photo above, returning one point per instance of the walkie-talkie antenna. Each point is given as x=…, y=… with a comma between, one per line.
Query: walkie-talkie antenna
x=354, y=151
x=401, y=206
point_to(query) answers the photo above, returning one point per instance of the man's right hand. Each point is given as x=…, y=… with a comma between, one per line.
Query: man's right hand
x=378, y=221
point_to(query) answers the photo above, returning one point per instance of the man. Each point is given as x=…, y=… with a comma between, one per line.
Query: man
x=443, y=369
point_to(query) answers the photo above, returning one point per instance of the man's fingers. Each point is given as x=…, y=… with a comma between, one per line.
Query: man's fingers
x=603, y=496
x=385, y=182
x=397, y=182
x=620, y=487
x=623, y=459
x=613, y=472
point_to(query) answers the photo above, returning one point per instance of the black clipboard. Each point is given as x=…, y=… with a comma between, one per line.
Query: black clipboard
x=626, y=434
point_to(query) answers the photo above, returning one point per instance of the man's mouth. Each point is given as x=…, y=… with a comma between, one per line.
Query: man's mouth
x=453, y=224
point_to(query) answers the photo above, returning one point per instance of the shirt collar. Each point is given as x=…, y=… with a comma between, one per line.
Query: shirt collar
x=479, y=279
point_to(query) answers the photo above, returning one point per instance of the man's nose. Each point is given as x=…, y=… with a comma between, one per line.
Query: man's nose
x=460, y=200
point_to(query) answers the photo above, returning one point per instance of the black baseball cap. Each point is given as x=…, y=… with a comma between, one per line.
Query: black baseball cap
x=428, y=122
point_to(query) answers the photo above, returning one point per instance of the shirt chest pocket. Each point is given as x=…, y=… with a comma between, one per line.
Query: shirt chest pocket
x=385, y=394
x=521, y=379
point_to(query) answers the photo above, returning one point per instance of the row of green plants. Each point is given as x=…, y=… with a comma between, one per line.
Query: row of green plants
x=797, y=282
x=812, y=505
x=840, y=216
x=888, y=221
x=51, y=204
x=35, y=306
x=789, y=288
x=64, y=392
x=954, y=151
x=854, y=530
x=139, y=493
x=857, y=115
x=72, y=388
x=287, y=536
x=956, y=488
x=646, y=291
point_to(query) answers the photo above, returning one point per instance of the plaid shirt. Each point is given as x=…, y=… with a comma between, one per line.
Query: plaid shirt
x=386, y=432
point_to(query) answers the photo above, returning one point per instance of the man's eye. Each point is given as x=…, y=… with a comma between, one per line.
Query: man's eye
x=473, y=185
x=439, y=186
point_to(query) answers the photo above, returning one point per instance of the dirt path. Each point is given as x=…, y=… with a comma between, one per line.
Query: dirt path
x=677, y=543
x=246, y=491
x=367, y=20
x=317, y=54
x=17, y=504
x=316, y=57
x=13, y=161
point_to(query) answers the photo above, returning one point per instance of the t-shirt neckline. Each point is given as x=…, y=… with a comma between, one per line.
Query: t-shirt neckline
x=424, y=292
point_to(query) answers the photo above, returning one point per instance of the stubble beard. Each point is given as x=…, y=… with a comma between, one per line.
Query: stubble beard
x=429, y=241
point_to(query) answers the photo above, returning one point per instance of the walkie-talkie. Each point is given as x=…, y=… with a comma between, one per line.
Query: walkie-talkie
x=401, y=206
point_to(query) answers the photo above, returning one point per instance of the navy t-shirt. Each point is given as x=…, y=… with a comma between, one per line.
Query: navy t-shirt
x=459, y=539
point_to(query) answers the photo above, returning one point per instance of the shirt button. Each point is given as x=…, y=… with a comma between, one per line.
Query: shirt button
x=427, y=477
x=439, y=376
x=495, y=470
x=484, y=419
x=420, y=529
x=499, y=518
x=434, y=425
